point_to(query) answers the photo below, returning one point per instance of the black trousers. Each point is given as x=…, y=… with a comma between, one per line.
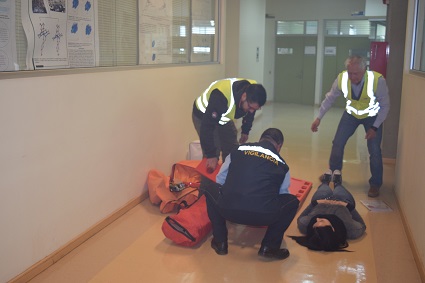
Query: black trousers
x=277, y=221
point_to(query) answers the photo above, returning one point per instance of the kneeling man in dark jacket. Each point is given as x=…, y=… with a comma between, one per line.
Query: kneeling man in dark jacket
x=253, y=189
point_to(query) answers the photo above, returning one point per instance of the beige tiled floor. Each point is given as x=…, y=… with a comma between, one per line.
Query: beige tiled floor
x=133, y=248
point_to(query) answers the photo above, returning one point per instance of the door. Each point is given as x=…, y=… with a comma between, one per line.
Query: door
x=295, y=69
x=337, y=49
x=379, y=52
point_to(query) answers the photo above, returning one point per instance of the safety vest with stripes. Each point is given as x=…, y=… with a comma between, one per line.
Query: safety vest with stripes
x=225, y=87
x=366, y=105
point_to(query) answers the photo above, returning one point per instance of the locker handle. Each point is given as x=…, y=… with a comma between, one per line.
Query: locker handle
x=376, y=50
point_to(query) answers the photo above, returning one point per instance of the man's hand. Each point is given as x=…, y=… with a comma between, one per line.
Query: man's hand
x=211, y=164
x=244, y=138
x=315, y=125
x=370, y=134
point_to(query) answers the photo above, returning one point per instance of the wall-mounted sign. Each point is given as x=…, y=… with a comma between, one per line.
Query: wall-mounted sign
x=330, y=50
x=285, y=51
x=310, y=50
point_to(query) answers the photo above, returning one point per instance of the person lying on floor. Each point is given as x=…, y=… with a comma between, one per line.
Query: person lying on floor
x=253, y=189
x=330, y=219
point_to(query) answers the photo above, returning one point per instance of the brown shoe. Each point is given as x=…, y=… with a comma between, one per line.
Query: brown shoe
x=373, y=191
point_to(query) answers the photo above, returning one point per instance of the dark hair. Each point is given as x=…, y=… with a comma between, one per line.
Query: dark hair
x=324, y=238
x=256, y=93
x=272, y=134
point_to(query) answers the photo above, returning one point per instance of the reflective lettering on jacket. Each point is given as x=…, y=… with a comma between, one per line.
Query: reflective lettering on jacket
x=225, y=87
x=366, y=106
x=261, y=152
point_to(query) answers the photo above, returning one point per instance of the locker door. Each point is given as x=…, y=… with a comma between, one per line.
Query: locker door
x=379, y=52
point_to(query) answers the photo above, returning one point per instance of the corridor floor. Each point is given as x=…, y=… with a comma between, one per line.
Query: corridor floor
x=134, y=249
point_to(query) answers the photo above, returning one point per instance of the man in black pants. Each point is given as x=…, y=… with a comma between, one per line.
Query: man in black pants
x=215, y=110
x=253, y=189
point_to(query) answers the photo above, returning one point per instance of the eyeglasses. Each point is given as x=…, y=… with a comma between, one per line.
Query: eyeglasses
x=253, y=106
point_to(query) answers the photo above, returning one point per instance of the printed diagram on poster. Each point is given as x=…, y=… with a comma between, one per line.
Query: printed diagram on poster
x=330, y=50
x=155, y=31
x=60, y=33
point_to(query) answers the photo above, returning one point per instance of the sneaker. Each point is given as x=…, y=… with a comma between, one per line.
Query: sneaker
x=326, y=178
x=336, y=177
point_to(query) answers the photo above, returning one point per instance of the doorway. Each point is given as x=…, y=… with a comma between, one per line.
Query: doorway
x=295, y=69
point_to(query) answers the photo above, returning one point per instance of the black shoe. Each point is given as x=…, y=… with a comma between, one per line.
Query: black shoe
x=273, y=253
x=336, y=177
x=373, y=191
x=326, y=178
x=219, y=247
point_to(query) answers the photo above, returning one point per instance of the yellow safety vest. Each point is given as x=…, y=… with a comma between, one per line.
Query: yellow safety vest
x=225, y=86
x=366, y=106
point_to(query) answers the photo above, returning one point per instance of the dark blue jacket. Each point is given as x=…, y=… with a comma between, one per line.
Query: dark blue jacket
x=255, y=175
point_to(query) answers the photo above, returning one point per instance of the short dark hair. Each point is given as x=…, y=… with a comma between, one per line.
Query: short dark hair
x=256, y=93
x=273, y=134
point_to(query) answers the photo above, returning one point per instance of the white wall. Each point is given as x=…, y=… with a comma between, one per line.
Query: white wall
x=251, y=37
x=313, y=10
x=375, y=8
x=411, y=154
x=269, y=57
x=75, y=148
x=232, y=38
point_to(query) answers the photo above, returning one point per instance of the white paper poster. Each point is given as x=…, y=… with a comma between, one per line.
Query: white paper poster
x=155, y=31
x=8, y=57
x=60, y=33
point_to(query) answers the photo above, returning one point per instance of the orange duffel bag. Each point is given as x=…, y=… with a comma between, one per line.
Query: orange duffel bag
x=189, y=226
x=180, y=189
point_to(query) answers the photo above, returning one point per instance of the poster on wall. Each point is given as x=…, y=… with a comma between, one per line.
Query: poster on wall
x=155, y=31
x=60, y=33
x=7, y=36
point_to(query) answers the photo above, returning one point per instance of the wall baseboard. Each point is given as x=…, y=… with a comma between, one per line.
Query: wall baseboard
x=51, y=259
x=415, y=251
x=391, y=161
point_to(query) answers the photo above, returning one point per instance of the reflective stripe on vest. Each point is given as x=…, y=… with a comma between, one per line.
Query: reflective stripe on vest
x=202, y=102
x=373, y=107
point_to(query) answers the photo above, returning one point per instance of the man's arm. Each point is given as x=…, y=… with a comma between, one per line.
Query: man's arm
x=217, y=105
x=326, y=104
x=284, y=187
x=247, y=121
x=224, y=169
x=383, y=98
x=329, y=100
